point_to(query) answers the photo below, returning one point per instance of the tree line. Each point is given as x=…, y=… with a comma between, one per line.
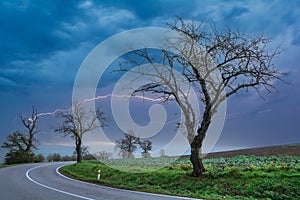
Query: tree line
x=21, y=145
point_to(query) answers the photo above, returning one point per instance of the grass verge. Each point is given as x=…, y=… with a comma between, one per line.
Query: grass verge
x=242, y=177
x=10, y=165
x=2, y=166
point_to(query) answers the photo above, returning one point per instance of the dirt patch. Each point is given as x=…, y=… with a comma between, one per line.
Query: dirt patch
x=285, y=150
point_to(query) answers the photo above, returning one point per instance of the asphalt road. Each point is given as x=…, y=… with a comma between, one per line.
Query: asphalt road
x=43, y=182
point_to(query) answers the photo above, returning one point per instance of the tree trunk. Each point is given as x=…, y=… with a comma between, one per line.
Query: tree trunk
x=196, y=153
x=78, y=149
x=196, y=159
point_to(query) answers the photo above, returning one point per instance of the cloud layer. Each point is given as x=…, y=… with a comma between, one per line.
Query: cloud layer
x=42, y=44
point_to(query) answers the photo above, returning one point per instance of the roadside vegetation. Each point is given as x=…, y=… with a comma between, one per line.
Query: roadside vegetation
x=239, y=177
x=4, y=165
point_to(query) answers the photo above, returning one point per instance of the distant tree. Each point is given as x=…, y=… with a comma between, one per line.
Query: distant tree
x=128, y=145
x=162, y=153
x=103, y=155
x=21, y=145
x=146, y=146
x=38, y=158
x=78, y=123
x=69, y=158
x=56, y=157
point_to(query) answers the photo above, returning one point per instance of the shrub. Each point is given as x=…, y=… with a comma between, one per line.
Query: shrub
x=13, y=157
x=184, y=167
x=69, y=158
x=38, y=158
x=54, y=157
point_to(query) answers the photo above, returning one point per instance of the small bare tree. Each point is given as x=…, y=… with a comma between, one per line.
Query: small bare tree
x=78, y=123
x=242, y=61
x=103, y=155
x=127, y=145
x=162, y=153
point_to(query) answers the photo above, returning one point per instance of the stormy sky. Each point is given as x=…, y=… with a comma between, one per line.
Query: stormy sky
x=43, y=43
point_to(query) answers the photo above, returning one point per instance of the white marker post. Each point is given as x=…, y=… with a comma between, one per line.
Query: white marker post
x=99, y=175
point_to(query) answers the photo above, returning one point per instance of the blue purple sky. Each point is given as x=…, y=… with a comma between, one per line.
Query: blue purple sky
x=43, y=43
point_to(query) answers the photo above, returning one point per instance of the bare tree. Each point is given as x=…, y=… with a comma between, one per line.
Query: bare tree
x=20, y=145
x=127, y=145
x=103, y=155
x=162, y=153
x=30, y=125
x=146, y=146
x=78, y=123
x=242, y=61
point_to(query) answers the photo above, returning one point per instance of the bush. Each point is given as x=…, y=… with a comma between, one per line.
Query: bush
x=54, y=157
x=184, y=167
x=38, y=158
x=88, y=157
x=69, y=158
x=146, y=155
x=14, y=157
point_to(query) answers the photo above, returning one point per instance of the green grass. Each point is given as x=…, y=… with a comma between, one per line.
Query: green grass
x=241, y=177
x=2, y=166
x=10, y=165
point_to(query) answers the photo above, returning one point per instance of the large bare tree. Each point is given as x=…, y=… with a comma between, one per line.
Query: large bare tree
x=217, y=64
x=78, y=123
x=20, y=144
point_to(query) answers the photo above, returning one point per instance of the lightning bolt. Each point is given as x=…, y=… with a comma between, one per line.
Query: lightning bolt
x=102, y=97
x=54, y=112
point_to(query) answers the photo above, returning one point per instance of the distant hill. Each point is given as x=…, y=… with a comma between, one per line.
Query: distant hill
x=283, y=150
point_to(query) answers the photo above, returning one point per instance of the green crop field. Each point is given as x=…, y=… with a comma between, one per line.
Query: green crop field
x=240, y=177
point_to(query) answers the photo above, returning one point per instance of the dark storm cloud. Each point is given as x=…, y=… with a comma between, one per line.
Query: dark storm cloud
x=28, y=29
x=148, y=9
x=44, y=42
x=28, y=36
x=273, y=18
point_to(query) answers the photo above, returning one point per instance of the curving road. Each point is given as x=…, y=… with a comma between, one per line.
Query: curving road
x=44, y=182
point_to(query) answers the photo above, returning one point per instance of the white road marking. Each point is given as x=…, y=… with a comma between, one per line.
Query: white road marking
x=122, y=190
x=51, y=188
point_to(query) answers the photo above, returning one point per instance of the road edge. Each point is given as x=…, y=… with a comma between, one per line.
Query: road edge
x=118, y=189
